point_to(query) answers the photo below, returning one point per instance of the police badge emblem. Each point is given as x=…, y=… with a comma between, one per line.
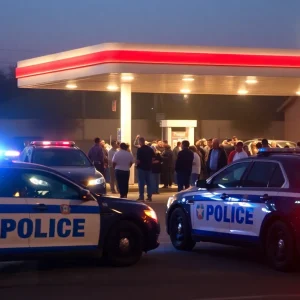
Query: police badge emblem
x=65, y=209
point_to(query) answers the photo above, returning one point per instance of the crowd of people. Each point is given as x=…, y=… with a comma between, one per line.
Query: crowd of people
x=158, y=164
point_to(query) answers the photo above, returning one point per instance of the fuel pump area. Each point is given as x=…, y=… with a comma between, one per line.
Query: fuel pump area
x=178, y=130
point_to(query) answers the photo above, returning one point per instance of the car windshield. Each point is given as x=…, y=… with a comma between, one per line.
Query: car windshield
x=60, y=157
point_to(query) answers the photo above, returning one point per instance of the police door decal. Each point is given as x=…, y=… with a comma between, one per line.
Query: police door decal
x=58, y=217
x=64, y=223
x=14, y=225
x=208, y=214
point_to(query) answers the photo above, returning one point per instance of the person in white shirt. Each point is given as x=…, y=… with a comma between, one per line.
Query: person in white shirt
x=122, y=162
x=238, y=153
x=112, y=179
x=196, y=168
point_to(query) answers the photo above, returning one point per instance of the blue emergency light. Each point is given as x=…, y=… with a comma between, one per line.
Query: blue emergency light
x=9, y=153
x=278, y=150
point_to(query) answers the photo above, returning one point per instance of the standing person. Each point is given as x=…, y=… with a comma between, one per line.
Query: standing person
x=105, y=156
x=156, y=171
x=145, y=155
x=95, y=154
x=167, y=167
x=184, y=165
x=246, y=149
x=196, y=169
x=208, y=147
x=160, y=146
x=202, y=153
x=265, y=143
x=111, y=153
x=217, y=158
x=238, y=153
x=122, y=162
x=176, y=150
x=136, y=142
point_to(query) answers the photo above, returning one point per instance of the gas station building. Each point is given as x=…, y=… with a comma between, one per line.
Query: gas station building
x=145, y=68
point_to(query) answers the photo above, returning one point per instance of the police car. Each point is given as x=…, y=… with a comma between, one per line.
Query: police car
x=251, y=202
x=44, y=213
x=67, y=158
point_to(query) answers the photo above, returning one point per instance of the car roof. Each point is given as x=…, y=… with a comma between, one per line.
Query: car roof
x=11, y=164
x=18, y=164
x=54, y=147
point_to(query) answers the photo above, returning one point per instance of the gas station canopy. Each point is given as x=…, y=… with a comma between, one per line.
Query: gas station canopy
x=166, y=69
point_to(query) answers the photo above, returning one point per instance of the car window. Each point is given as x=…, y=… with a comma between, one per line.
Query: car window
x=277, y=179
x=60, y=157
x=260, y=174
x=38, y=184
x=230, y=177
x=8, y=186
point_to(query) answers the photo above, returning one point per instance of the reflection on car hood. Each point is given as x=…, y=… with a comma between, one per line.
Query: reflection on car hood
x=79, y=174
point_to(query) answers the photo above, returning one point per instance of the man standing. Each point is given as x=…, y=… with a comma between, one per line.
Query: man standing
x=183, y=167
x=176, y=150
x=217, y=158
x=95, y=154
x=144, y=158
x=265, y=143
x=238, y=153
x=111, y=153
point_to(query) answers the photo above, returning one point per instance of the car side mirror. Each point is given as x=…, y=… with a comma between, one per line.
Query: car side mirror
x=85, y=195
x=202, y=184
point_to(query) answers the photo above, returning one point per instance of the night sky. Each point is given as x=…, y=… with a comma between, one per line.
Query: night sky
x=31, y=28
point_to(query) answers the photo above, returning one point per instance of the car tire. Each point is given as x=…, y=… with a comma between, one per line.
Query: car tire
x=180, y=232
x=280, y=247
x=124, y=244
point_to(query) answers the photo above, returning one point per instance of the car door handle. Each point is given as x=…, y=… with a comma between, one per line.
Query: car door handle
x=191, y=202
x=40, y=207
x=224, y=196
x=265, y=197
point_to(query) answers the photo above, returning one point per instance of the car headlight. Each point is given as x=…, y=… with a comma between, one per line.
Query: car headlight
x=151, y=214
x=96, y=181
x=170, y=201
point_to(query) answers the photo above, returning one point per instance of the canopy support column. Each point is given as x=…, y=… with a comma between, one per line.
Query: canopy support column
x=126, y=120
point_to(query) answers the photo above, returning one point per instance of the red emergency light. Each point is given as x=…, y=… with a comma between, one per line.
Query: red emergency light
x=53, y=143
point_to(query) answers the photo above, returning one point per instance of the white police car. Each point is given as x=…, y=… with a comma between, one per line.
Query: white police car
x=251, y=202
x=44, y=213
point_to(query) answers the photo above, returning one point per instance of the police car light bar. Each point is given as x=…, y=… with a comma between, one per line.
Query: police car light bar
x=53, y=143
x=278, y=150
x=9, y=153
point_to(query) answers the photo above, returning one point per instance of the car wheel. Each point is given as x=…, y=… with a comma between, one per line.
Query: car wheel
x=124, y=244
x=280, y=247
x=180, y=233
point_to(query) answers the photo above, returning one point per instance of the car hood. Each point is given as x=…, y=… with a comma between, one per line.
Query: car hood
x=79, y=174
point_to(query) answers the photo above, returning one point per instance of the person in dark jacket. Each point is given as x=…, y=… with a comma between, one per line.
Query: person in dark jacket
x=96, y=155
x=183, y=167
x=217, y=158
x=156, y=171
x=167, y=167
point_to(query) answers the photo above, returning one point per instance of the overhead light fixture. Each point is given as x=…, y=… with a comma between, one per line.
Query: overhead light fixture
x=185, y=91
x=251, y=81
x=71, y=86
x=112, y=88
x=242, y=92
x=127, y=77
x=188, y=79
